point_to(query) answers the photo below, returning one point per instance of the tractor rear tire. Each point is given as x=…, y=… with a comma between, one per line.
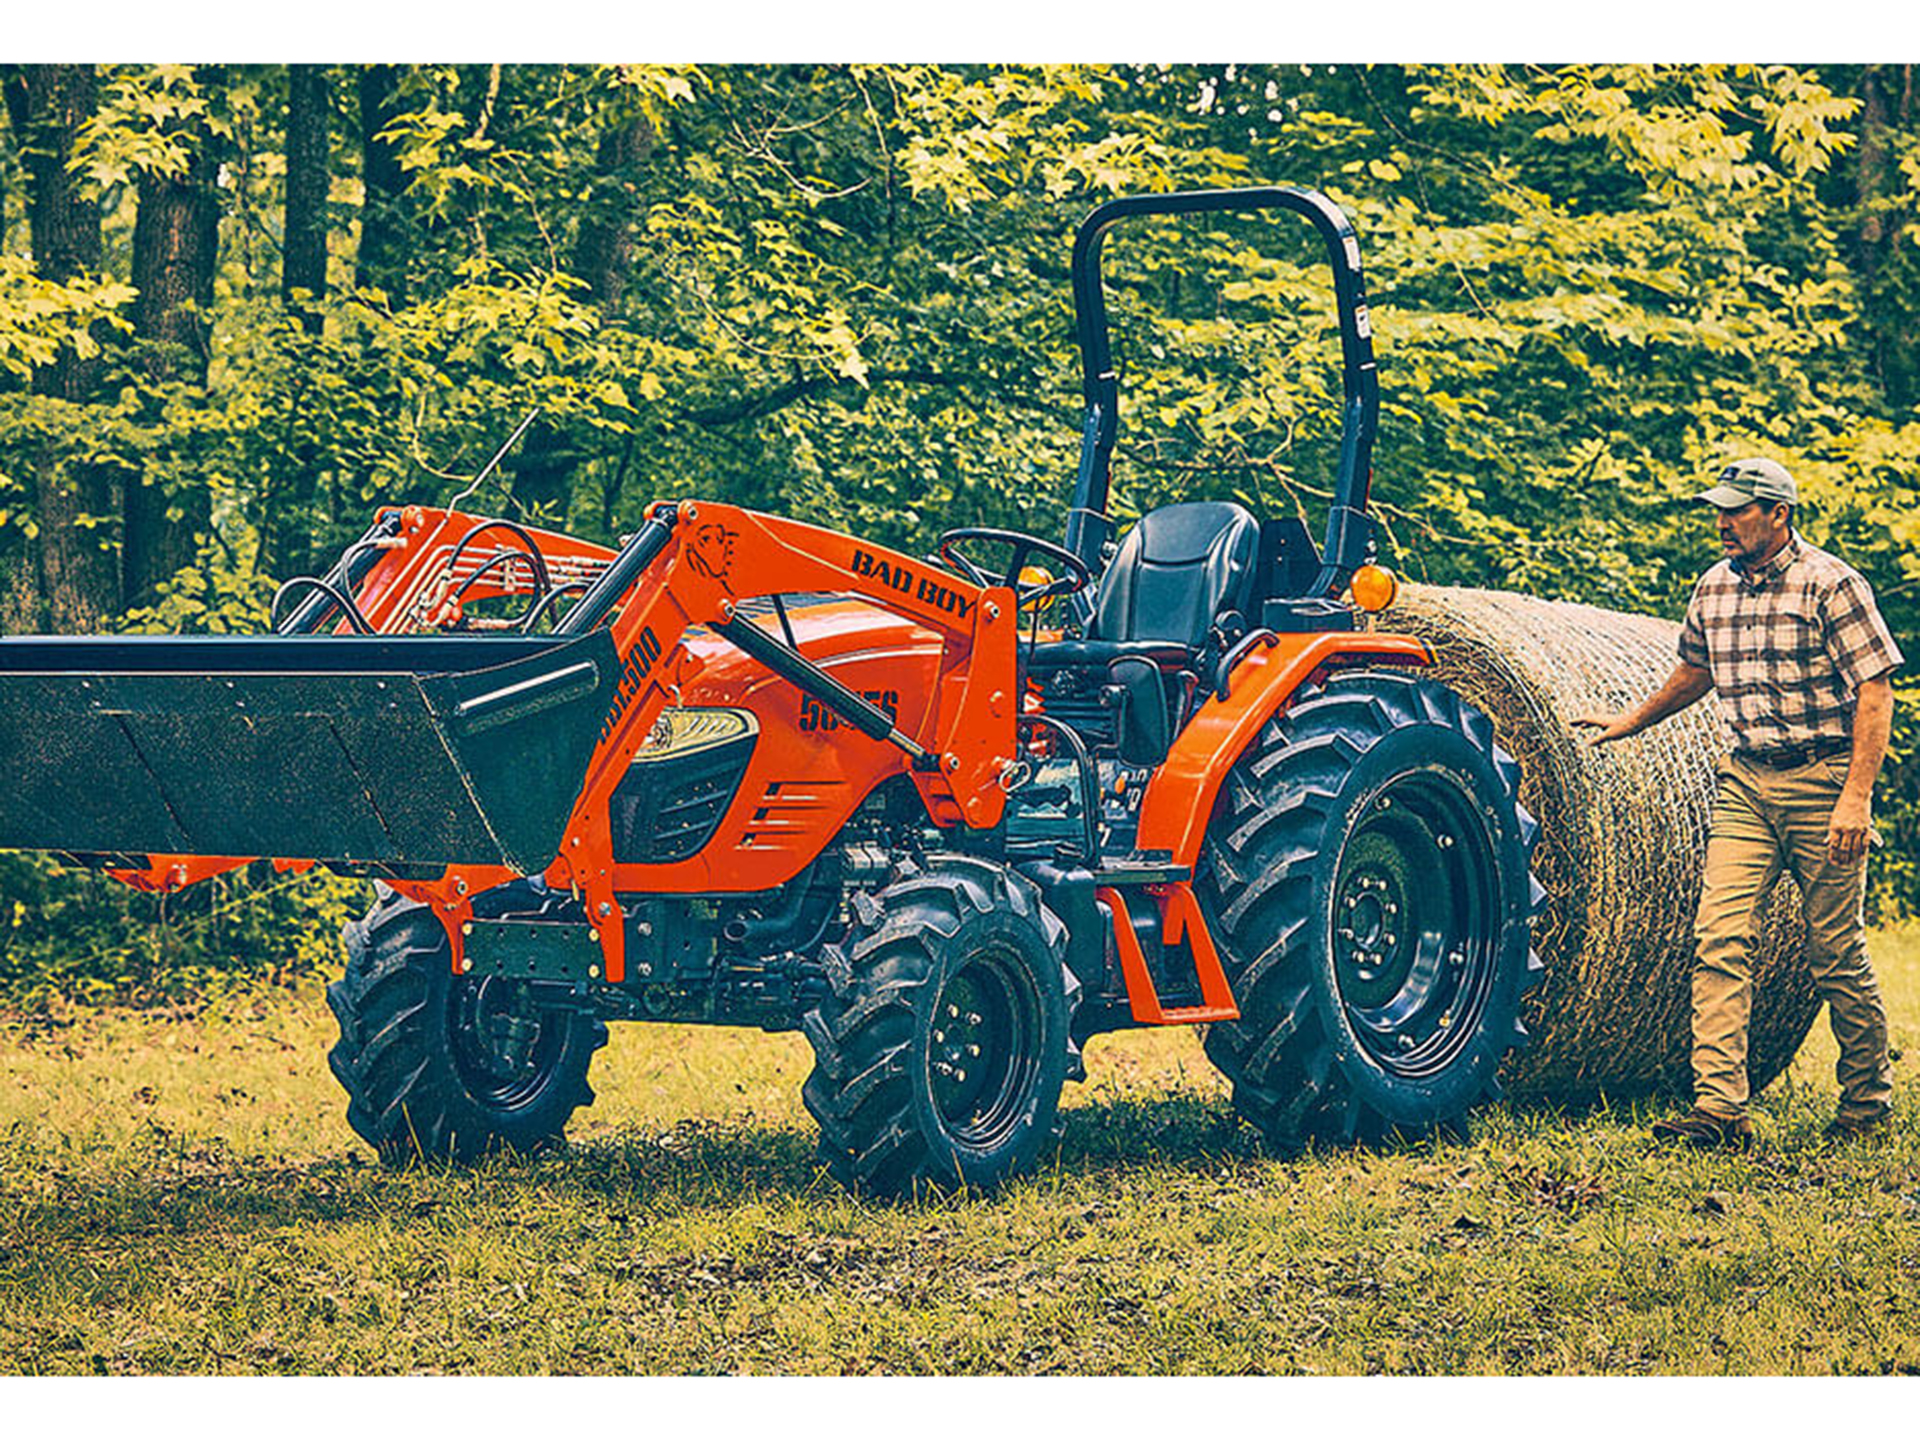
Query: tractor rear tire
x=1367, y=868
x=941, y=1054
x=418, y=1053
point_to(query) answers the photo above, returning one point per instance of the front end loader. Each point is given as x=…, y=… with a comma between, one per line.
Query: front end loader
x=746, y=771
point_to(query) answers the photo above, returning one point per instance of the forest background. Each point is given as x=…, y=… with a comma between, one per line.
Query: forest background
x=243, y=305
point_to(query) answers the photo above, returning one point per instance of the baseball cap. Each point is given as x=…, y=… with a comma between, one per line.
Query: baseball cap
x=1746, y=481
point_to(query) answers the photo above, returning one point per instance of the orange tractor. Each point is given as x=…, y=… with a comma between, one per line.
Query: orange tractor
x=745, y=771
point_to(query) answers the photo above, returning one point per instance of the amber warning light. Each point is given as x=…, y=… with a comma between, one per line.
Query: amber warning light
x=1374, y=587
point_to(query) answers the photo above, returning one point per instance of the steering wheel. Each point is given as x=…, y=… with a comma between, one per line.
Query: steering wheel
x=1077, y=578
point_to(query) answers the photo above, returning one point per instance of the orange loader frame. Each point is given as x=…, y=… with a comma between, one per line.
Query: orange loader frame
x=960, y=749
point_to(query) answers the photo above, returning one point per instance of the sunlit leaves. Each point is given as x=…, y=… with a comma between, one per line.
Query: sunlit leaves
x=39, y=317
x=148, y=122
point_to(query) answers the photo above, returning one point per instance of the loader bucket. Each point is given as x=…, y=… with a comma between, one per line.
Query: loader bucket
x=414, y=751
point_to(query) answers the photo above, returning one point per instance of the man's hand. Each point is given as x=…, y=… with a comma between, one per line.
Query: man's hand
x=1685, y=685
x=1847, y=831
x=1609, y=727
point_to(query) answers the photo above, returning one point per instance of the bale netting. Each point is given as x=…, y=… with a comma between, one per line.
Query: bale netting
x=1623, y=836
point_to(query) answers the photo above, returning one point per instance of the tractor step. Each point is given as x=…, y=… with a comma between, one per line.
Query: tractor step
x=421, y=750
x=1179, y=919
x=1150, y=868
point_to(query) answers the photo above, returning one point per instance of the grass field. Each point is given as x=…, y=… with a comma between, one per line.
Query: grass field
x=179, y=1193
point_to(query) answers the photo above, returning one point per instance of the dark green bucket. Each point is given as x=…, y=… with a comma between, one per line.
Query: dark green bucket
x=405, y=751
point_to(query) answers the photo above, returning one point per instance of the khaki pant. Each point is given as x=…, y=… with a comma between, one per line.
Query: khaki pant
x=1765, y=821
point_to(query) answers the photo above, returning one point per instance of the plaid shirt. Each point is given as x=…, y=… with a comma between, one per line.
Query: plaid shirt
x=1788, y=644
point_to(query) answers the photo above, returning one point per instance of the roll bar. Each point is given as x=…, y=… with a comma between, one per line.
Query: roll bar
x=1348, y=534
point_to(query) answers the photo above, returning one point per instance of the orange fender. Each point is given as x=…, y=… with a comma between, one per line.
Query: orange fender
x=1179, y=799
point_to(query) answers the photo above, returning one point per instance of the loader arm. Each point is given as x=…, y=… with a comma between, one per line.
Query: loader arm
x=707, y=559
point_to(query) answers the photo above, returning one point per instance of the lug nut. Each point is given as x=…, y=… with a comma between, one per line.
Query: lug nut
x=939, y=1037
x=973, y=1052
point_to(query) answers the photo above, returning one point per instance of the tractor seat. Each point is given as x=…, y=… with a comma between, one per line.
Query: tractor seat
x=1180, y=568
x=1177, y=573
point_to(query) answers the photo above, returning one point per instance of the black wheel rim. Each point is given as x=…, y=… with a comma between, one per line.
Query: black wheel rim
x=498, y=1069
x=983, y=1054
x=1415, y=928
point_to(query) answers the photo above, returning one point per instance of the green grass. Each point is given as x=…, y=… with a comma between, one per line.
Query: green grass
x=179, y=1193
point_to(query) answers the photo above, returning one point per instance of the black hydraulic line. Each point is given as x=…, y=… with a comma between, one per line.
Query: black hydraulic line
x=340, y=600
x=343, y=579
x=792, y=666
x=1347, y=531
x=546, y=603
x=627, y=567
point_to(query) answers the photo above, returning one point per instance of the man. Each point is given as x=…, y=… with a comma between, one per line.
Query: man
x=1789, y=637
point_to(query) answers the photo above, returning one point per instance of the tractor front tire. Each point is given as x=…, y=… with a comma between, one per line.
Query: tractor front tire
x=420, y=1056
x=1367, y=866
x=941, y=1054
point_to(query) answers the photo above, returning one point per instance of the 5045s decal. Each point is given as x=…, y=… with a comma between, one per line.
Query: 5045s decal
x=816, y=716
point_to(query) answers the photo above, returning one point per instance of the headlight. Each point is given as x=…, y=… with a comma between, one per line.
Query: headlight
x=688, y=729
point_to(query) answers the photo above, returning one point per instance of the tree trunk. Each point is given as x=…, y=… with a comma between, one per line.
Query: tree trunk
x=382, y=263
x=78, y=569
x=1870, y=169
x=604, y=250
x=285, y=522
x=175, y=245
x=1881, y=259
x=308, y=153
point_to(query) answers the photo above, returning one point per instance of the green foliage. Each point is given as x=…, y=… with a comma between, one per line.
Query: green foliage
x=147, y=124
x=840, y=292
x=39, y=318
x=70, y=933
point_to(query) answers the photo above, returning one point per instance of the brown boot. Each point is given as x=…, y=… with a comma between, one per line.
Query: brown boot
x=1707, y=1130
x=1843, y=1127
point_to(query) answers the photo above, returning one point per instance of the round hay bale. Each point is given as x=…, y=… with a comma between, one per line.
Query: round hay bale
x=1623, y=838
